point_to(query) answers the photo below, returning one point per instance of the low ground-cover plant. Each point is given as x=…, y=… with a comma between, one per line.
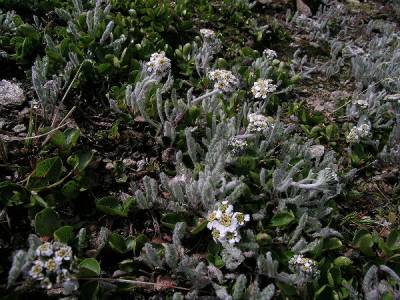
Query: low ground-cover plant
x=162, y=158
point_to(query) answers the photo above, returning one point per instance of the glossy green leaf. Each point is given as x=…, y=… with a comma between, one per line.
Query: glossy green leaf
x=342, y=261
x=282, y=219
x=136, y=244
x=332, y=244
x=12, y=194
x=46, y=222
x=89, y=267
x=50, y=167
x=64, y=234
x=393, y=240
x=365, y=243
x=200, y=226
x=117, y=243
x=111, y=206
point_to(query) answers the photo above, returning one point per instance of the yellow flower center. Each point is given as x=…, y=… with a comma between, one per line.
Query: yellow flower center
x=226, y=220
x=215, y=234
x=51, y=265
x=240, y=218
x=212, y=217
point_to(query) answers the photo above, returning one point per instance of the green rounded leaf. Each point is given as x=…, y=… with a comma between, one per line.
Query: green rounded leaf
x=48, y=168
x=365, y=243
x=117, y=243
x=282, y=219
x=46, y=222
x=342, y=261
x=111, y=206
x=64, y=234
x=12, y=194
x=202, y=223
x=393, y=240
x=332, y=244
x=136, y=244
x=46, y=172
x=89, y=267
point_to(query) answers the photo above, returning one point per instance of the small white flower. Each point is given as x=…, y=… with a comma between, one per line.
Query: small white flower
x=303, y=266
x=45, y=249
x=233, y=237
x=159, y=64
x=364, y=130
x=211, y=42
x=358, y=132
x=225, y=207
x=262, y=88
x=241, y=218
x=257, y=123
x=35, y=104
x=363, y=103
x=215, y=234
x=225, y=223
x=46, y=283
x=52, y=265
x=353, y=136
x=225, y=81
x=237, y=145
x=207, y=33
x=64, y=253
x=36, y=271
x=269, y=54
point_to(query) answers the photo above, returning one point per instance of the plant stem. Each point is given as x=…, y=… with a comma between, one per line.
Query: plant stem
x=40, y=135
x=209, y=94
x=60, y=124
x=134, y=282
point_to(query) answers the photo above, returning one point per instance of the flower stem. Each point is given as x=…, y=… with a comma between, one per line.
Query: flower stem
x=206, y=95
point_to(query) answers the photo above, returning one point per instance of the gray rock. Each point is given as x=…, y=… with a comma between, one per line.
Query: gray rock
x=19, y=128
x=10, y=94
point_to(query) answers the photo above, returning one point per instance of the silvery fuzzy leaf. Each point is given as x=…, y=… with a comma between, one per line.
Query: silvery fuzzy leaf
x=239, y=287
x=221, y=292
x=19, y=260
x=215, y=273
x=232, y=257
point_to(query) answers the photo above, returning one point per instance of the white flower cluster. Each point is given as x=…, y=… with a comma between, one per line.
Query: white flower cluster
x=269, y=54
x=158, y=64
x=53, y=266
x=225, y=81
x=257, y=123
x=263, y=87
x=237, y=145
x=362, y=103
x=305, y=267
x=211, y=41
x=207, y=34
x=225, y=223
x=358, y=132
